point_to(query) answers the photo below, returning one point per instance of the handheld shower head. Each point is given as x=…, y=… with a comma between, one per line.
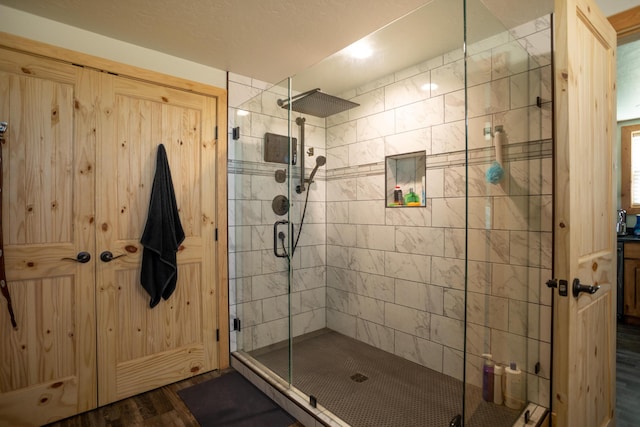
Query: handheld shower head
x=320, y=161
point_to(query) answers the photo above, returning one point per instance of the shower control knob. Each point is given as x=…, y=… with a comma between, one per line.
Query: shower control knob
x=280, y=205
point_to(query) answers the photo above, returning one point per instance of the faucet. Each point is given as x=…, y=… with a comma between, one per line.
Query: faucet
x=621, y=225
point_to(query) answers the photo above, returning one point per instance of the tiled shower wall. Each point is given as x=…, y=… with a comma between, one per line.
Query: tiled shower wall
x=395, y=276
x=258, y=283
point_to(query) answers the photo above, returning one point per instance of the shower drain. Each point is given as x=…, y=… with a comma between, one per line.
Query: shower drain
x=359, y=378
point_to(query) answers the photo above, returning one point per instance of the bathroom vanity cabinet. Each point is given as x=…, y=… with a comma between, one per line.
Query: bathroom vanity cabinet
x=631, y=292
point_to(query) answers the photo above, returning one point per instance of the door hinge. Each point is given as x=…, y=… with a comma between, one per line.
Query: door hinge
x=217, y=334
x=216, y=234
x=216, y=133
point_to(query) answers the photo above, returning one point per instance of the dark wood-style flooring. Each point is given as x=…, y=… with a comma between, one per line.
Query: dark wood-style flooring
x=159, y=408
x=628, y=375
x=163, y=406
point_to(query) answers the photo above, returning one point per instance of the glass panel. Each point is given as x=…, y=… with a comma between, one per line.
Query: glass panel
x=377, y=291
x=259, y=229
x=509, y=208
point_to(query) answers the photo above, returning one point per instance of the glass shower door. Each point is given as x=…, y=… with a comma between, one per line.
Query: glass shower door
x=385, y=278
x=509, y=212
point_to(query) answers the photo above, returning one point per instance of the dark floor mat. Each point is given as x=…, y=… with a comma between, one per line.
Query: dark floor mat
x=232, y=401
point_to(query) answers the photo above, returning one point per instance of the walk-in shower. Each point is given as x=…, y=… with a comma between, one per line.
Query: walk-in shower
x=383, y=312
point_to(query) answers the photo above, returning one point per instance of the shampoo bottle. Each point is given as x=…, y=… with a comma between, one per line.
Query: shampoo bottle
x=487, y=378
x=498, y=370
x=513, y=387
x=397, y=196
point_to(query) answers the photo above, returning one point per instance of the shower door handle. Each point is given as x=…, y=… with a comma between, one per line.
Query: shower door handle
x=279, y=236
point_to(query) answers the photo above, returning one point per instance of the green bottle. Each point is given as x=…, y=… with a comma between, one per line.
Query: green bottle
x=411, y=197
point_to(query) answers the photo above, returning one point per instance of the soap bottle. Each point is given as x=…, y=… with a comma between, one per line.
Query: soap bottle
x=487, y=378
x=411, y=197
x=397, y=196
x=497, y=384
x=513, y=387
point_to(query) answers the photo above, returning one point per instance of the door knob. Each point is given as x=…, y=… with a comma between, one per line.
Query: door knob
x=82, y=257
x=107, y=256
x=579, y=287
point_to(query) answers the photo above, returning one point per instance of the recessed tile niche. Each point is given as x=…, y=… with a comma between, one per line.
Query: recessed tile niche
x=407, y=173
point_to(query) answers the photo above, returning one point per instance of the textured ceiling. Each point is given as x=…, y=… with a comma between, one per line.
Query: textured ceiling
x=264, y=39
x=272, y=39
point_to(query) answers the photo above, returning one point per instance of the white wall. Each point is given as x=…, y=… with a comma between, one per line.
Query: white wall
x=47, y=31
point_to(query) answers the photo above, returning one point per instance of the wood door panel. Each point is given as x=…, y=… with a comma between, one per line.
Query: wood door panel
x=167, y=326
x=53, y=400
x=142, y=125
x=585, y=245
x=33, y=261
x=157, y=93
x=43, y=346
x=594, y=370
x=131, y=335
x=21, y=64
x=36, y=172
x=159, y=369
x=48, y=363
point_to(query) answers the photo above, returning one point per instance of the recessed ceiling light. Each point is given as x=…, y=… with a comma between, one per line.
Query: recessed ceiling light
x=360, y=50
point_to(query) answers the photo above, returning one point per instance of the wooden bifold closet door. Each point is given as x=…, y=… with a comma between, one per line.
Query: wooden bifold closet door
x=79, y=157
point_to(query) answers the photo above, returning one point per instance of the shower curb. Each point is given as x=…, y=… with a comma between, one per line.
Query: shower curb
x=288, y=397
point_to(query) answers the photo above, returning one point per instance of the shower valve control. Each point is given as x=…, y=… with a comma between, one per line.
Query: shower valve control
x=562, y=285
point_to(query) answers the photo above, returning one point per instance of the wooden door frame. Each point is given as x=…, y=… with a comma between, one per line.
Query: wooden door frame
x=56, y=53
x=626, y=24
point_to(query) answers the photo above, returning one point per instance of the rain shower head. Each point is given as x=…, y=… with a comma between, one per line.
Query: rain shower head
x=317, y=103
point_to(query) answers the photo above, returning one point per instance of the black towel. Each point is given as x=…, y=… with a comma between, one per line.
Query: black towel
x=162, y=235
